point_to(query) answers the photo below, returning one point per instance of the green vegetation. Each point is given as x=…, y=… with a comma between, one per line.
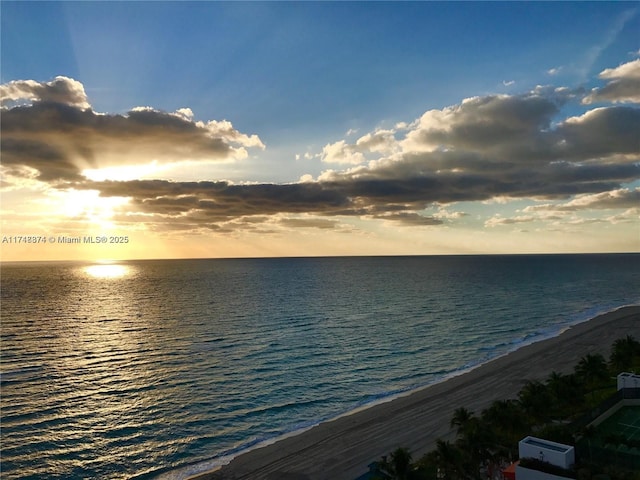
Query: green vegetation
x=543, y=408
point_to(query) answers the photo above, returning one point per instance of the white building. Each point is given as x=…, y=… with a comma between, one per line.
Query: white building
x=628, y=380
x=554, y=453
x=551, y=452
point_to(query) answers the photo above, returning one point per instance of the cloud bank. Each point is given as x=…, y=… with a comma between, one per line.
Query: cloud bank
x=488, y=147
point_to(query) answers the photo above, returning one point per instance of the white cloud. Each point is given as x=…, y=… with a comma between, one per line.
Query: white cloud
x=623, y=85
x=185, y=113
x=614, y=199
x=62, y=90
x=306, y=178
x=626, y=70
x=443, y=213
x=498, y=220
x=382, y=142
x=341, y=152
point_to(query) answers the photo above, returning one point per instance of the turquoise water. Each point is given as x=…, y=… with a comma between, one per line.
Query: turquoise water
x=167, y=368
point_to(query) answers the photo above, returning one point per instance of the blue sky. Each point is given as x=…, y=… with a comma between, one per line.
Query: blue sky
x=303, y=76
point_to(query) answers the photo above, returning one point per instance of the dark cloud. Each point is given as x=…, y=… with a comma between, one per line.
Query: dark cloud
x=60, y=139
x=599, y=133
x=221, y=201
x=49, y=160
x=491, y=124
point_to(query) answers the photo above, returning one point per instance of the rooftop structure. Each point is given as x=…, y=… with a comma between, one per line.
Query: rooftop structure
x=628, y=380
x=551, y=452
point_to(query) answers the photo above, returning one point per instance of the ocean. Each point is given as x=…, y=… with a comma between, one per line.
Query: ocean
x=162, y=369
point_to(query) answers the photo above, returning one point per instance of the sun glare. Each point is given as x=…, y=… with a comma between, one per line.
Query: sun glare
x=107, y=270
x=89, y=204
x=123, y=173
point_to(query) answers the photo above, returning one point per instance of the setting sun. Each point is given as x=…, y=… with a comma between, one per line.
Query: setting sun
x=86, y=204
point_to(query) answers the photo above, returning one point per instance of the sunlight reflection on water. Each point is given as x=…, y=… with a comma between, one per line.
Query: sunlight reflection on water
x=107, y=270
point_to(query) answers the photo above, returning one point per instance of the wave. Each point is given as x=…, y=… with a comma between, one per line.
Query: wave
x=21, y=374
x=492, y=352
x=223, y=360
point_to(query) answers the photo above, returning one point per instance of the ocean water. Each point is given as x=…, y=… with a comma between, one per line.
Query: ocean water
x=161, y=369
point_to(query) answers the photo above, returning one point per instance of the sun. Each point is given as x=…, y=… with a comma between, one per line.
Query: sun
x=86, y=205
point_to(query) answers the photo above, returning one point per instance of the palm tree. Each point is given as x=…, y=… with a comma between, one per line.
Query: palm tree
x=535, y=400
x=478, y=444
x=507, y=420
x=400, y=464
x=625, y=352
x=567, y=393
x=448, y=459
x=461, y=417
x=427, y=466
x=592, y=369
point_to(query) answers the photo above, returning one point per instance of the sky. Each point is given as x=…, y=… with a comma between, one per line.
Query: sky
x=256, y=129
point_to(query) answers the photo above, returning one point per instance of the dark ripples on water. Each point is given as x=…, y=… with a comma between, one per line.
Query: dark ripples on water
x=133, y=370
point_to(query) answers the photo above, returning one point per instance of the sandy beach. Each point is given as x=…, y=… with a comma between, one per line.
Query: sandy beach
x=342, y=448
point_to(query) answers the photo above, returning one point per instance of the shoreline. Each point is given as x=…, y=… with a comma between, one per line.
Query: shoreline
x=342, y=448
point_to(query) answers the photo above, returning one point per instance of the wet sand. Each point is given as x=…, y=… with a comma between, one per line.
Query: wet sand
x=342, y=448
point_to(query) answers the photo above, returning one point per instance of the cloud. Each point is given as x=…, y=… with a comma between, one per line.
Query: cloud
x=342, y=152
x=320, y=223
x=599, y=133
x=626, y=70
x=222, y=201
x=59, y=135
x=488, y=147
x=443, y=213
x=498, y=220
x=623, y=85
x=484, y=124
x=64, y=90
x=410, y=219
x=377, y=142
x=580, y=210
x=622, y=198
x=498, y=146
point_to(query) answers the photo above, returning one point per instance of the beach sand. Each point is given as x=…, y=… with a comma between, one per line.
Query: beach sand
x=342, y=448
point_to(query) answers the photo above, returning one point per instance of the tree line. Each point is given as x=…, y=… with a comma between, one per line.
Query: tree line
x=487, y=441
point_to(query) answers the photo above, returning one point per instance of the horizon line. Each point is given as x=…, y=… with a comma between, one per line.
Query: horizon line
x=293, y=257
